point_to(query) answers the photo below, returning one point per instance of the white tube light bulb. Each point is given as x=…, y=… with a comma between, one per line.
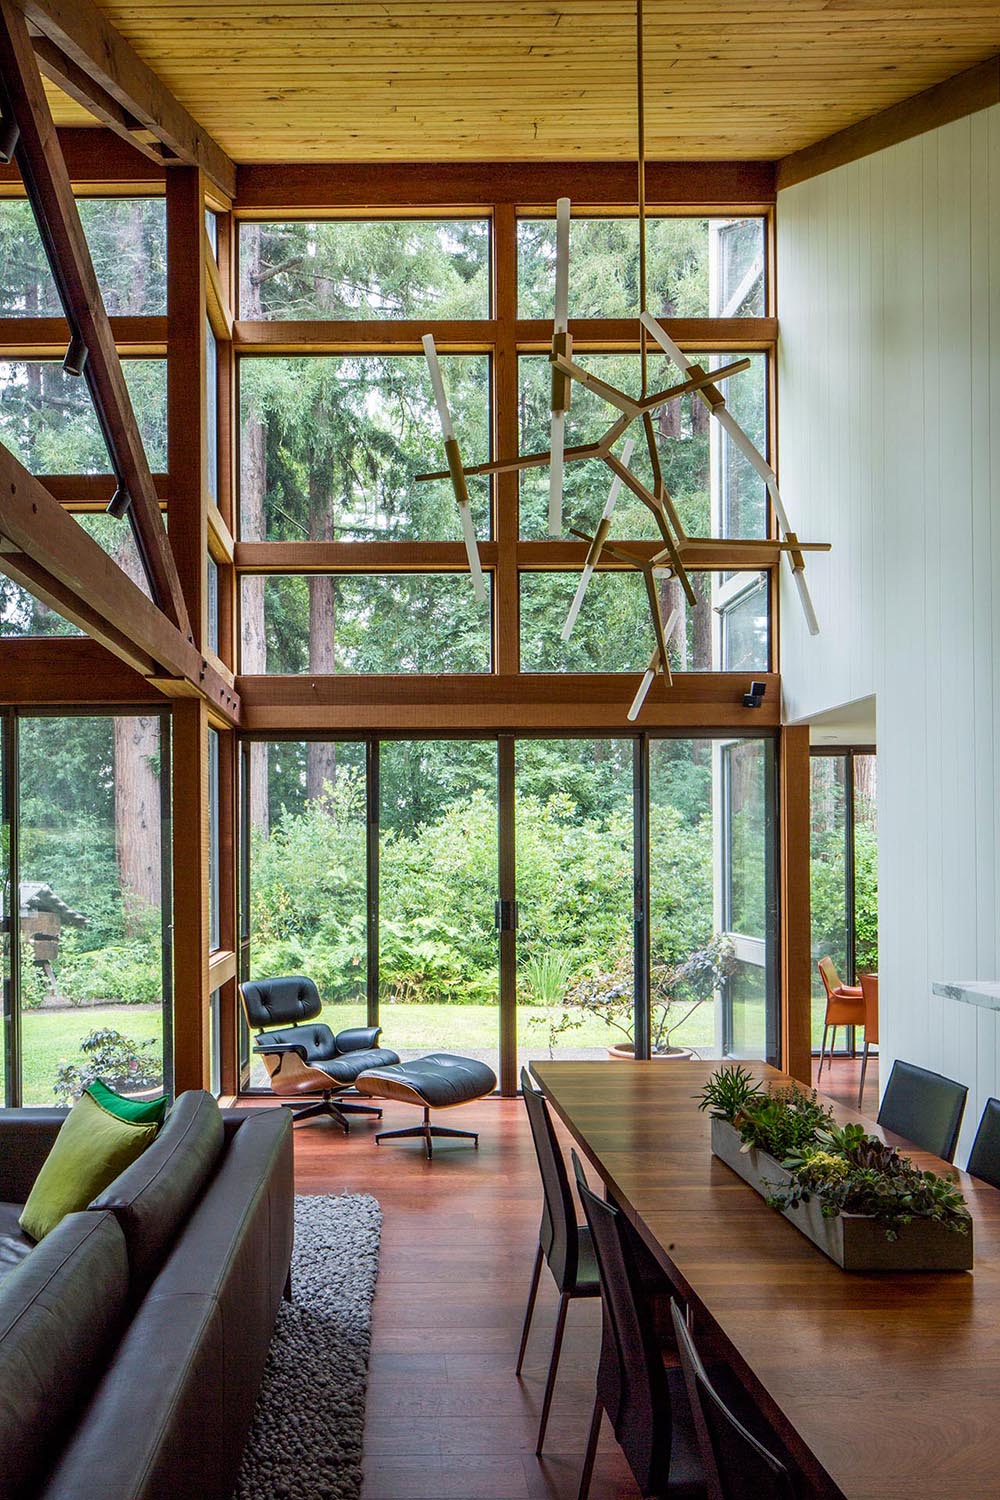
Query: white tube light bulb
x=562, y=265
x=437, y=386
x=588, y=572
x=652, y=669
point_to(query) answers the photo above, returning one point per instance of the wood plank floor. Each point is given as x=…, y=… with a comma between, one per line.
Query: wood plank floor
x=447, y=1419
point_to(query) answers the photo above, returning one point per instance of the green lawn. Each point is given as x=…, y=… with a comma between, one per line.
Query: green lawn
x=51, y=1037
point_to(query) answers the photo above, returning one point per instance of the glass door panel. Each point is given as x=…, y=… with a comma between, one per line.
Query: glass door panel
x=439, y=981
x=865, y=865
x=684, y=807
x=829, y=877
x=90, y=905
x=748, y=902
x=575, y=874
x=306, y=815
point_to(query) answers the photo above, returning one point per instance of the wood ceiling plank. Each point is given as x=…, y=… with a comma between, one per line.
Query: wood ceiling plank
x=447, y=80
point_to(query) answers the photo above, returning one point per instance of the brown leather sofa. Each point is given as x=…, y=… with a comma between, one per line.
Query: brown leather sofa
x=133, y=1337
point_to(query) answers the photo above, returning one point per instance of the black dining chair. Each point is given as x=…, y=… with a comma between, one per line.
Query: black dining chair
x=643, y=1396
x=924, y=1107
x=737, y=1466
x=984, y=1158
x=563, y=1244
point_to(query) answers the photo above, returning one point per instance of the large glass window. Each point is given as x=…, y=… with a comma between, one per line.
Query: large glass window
x=47, y=418
x=364, y=623
x=712, y=897
x=90, y=908
x=697, y=268
x=128, y=244
x=332, y=445
x=843, y=871
x=714, y=488
x=375, y=268
x=614, y=630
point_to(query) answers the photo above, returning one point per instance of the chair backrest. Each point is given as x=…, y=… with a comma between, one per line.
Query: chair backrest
x=869, y=989
x=924, y=1107
x=737, y=1466
x=558, y=1235
x=828, y=974
x=984, y=1159
x=280, y=1002
x=631, y=1382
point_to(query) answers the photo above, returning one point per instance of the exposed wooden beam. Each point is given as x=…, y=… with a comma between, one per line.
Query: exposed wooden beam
x=71, y=670
x=97, y=161
x=265, y=189
x=47, y=338
x=723, y=554
x=491, y=702
x=73, y=81
x=469, y=335
x=44, y=170
x=90, y=493
x=84, y=36
x=52, y=554
x=963, y=94
x=219, y=311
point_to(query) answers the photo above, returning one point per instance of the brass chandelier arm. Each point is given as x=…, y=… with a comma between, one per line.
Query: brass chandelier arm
x=649, y=499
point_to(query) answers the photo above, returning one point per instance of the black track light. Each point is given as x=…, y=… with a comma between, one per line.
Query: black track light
x=76, y=356
x=10, y=134
x=119, y=503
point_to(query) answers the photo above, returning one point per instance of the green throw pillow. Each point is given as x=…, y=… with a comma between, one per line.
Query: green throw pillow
x=92, y=1147
x=140, y=1111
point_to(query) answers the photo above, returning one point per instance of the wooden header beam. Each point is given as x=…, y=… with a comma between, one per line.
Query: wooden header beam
x=261, y=190
x=46, y=551
x=97, y=161
x=491, y=701
x=88, y=40
x=69, y=670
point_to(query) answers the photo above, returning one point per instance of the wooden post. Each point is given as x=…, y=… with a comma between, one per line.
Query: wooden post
x=794, y=793
x=191, y=908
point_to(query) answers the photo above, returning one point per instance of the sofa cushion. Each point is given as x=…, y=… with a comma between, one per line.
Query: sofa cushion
x=14, y=1243
x=144, y=1111
x=152, y=1198
x=26, y=1138
x=91, y=1149
x=61, y=1311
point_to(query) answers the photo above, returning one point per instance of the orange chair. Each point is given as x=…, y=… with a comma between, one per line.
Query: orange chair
x=845, y=1006
x=869, y=989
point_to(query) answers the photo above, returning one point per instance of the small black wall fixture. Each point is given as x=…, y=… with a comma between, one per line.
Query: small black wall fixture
x=119, y=503
x=755, y=697
x=10, y=134
x=76, y=356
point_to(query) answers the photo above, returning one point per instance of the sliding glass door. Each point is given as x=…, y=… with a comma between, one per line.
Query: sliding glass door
x=843, y=871
x=520, y=899
x=575, y=870
x=438, y=955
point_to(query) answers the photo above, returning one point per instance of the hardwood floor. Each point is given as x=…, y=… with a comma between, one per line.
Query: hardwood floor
x=447, y=1419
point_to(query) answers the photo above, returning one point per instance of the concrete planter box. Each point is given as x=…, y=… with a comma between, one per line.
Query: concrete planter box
x=853, y=1241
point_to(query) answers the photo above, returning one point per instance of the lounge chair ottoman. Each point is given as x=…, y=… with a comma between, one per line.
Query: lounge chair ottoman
x=438, y=1081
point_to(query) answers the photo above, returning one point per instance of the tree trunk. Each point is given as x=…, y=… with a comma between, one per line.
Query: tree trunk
x=137, y=813
x=321, y=758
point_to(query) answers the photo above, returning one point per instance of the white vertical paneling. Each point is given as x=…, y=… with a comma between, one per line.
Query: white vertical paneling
x=889, y=362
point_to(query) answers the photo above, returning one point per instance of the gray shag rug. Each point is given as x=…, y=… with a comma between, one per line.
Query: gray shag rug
x=305, y=1442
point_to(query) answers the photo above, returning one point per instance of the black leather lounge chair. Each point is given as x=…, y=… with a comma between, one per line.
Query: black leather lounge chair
x=304, y=1057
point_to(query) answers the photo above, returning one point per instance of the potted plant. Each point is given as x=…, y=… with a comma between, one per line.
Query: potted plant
x=124, y=1065
x=676, y=992
x=863, y=1204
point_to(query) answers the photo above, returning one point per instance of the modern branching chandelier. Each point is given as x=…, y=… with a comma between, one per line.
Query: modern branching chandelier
x=670, y=560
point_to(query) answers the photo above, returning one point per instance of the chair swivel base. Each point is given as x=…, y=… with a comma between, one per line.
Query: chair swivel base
x=338, y=1109
x=427, y=1132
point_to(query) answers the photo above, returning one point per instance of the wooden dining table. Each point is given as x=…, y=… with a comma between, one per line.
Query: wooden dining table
x=882, y=1386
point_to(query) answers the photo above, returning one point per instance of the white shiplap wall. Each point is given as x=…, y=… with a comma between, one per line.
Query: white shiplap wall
x=889, y=446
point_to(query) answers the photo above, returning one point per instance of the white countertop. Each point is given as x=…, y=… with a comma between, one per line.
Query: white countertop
x=970, y=991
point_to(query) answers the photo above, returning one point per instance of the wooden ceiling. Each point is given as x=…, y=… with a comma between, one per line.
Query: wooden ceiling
x=449, y=80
